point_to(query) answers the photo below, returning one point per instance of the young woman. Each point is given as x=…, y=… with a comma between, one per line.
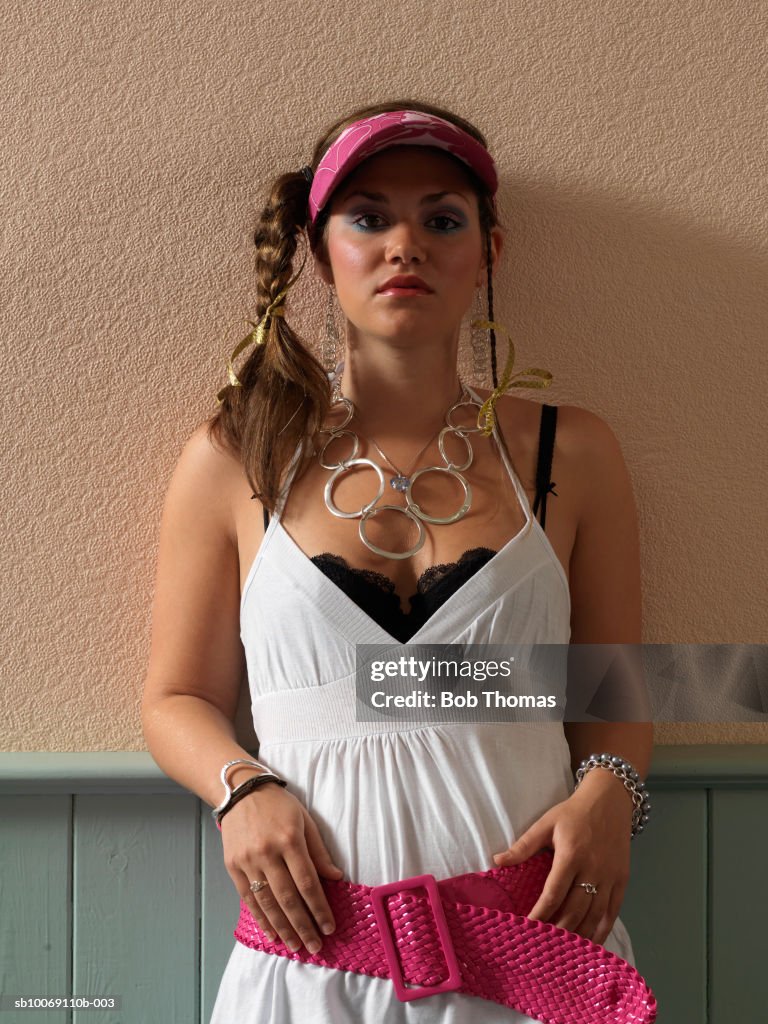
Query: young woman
x=278, y=557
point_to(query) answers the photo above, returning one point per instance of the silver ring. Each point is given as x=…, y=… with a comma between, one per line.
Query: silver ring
x=258, y=886
x=465, y=430
x=371, y=512
x=347, y=403
x=589, y=887
x=343, y=462
x=331, y=506
x=465, y=439
x=439, y=519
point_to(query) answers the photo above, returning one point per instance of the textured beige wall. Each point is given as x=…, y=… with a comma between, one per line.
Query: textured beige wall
x=137, y=140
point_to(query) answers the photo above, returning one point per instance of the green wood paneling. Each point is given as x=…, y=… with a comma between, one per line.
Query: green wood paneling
x=35, y=872
x=221, y=907
x=739, y=907
x=665, y=905
x=92, y=772
x=121, y=889
x=704, y=766
x=136, y=906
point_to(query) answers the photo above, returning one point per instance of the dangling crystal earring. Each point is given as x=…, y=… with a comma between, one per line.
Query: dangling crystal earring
x=479, y=340
x=331, y=337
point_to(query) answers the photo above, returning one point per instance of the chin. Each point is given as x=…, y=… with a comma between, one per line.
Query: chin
x=395, y=328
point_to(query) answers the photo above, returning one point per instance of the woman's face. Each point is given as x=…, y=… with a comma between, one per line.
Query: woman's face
x=406, y=211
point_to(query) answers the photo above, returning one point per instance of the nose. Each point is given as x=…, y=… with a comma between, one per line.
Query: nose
x=404, y=244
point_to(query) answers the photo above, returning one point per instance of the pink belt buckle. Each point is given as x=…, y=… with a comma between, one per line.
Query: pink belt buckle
x=378, y=894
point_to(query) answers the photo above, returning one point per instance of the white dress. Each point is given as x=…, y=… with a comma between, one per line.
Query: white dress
x=392, y=799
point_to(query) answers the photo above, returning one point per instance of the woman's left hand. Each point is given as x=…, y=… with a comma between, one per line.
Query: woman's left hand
x=590, y=833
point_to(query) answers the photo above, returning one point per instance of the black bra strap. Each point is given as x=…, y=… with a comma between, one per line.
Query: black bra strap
x=266, y=519
x=546, y=447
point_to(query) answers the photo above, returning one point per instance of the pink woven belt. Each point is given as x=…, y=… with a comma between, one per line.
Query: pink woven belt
x=469, y=934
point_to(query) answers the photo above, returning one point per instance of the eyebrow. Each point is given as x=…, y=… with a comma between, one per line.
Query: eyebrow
x=380, y=197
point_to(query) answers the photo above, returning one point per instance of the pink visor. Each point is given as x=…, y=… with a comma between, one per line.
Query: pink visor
x=395, y=128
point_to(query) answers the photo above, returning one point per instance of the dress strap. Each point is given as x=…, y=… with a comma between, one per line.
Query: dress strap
x=544, y=467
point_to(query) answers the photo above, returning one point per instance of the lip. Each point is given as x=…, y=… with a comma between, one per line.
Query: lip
x=405, y=284
x=403, y=293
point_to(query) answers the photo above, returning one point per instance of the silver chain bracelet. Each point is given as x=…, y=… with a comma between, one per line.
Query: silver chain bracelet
x=622, y=770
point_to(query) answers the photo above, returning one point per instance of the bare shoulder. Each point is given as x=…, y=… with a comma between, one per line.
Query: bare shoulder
x=586, y=456
x=208, y=471
x=586, y=438
x=578, y=429
x=590, y=446
x=216, y=455
x=585, y=432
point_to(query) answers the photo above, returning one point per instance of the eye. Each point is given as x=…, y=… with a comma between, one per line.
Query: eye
x=442, y=222
x=367, y=216
x=446, y=222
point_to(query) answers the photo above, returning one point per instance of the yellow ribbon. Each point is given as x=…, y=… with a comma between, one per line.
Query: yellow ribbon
x=508, y=379
x=259, y=334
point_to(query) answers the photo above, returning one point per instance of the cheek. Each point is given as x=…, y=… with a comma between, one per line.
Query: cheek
x=464, y=269
x=348, y=259
x=464, y=260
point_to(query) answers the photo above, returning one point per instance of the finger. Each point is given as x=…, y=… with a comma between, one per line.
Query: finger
x=530, y=842
x=582, y=911
x=285, y=908
x=597, y=907
x=264, y=907
x=246, y=894
x=308, y=886
x=603, y=929
x=317, y=849
x=556, y=888
x=606, y=923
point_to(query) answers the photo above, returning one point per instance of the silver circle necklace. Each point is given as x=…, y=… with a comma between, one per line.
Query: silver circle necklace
x=402, y=481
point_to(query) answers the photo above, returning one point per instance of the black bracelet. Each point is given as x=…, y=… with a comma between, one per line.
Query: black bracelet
x=248, y=787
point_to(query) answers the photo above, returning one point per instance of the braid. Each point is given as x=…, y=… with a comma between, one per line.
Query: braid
x=276, y=237
x=490, y=307
x=284, y=394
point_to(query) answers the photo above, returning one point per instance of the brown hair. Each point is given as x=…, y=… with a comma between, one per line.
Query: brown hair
x=285, y=394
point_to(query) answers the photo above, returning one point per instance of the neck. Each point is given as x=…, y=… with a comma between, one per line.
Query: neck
x=395, y=398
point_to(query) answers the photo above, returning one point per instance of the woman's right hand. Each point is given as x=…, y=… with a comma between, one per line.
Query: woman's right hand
x=269, y=835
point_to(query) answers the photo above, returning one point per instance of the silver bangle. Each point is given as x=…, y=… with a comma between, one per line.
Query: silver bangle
x=238, y=760
x=632, y=782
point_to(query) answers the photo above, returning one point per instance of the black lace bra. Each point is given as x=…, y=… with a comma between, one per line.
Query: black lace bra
x=375, y=592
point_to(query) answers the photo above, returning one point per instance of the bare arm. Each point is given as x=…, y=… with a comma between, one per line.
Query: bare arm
x=191, y=689
x=606, y=603
x=196, y=662
x=590, y=831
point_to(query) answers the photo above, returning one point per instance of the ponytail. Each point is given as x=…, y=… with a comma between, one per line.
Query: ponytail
x=281, y=394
